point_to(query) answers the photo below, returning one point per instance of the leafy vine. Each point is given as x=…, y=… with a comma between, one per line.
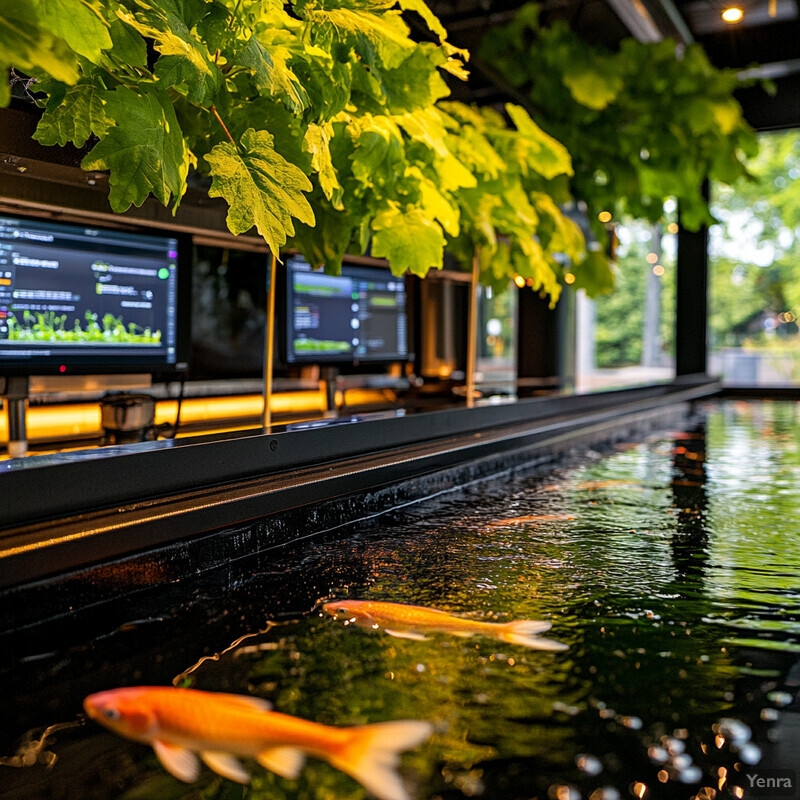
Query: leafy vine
x=320, y=122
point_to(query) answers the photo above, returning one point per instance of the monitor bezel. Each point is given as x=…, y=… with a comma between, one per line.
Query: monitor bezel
x=159, y=368
x=283, y=322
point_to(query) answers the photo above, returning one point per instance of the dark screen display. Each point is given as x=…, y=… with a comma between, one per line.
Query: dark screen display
x=359, y=315
x=74, y=296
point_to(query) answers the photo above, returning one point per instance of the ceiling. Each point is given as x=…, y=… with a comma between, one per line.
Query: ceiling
x=768, y=35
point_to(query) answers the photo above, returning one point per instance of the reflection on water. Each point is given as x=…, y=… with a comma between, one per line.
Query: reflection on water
x=669, y=568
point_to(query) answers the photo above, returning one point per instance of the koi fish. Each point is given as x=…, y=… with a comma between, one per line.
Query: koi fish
x=181, y=724
x=591, y=486
x=410, y=622
x=522, y=520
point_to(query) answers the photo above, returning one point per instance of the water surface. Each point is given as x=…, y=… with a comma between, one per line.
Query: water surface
x=669, y=567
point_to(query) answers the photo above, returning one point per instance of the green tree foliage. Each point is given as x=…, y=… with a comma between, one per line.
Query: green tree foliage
x=318, y=121
x=642, y=123
x=754, y=265
x=619, y=316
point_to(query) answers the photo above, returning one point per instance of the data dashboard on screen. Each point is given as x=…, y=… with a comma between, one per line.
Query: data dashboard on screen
x=357, y=316
x=76, y=299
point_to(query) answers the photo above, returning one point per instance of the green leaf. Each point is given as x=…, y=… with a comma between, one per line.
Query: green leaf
x=538, y=150
x=325, y=244
x=727, y=114
x=145, y=150
x=595, y=85
x=78, y=22
x=185, y=59
x=408, y=239
x=271, y=73
x=128, y=49
x=28, y=46
x=317, y=142
x=176, y=71
x=565, y=236
x=379, y=155
x=261, y=188
x=380, y=39
x=594, y=274
x=416, y=83
x=74, y=115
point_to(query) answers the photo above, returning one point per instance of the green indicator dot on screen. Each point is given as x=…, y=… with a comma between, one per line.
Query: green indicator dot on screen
x=163, y=273
x=354, y=295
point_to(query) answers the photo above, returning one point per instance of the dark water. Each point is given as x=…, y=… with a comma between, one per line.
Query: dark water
x=672, y=572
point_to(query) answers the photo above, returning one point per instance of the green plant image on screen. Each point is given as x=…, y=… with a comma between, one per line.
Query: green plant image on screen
x=52, y=328
x=386, y=302
x=318, y=345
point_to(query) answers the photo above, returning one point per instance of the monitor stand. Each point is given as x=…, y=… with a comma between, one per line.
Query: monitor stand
x=16, y=401
x=329, y=375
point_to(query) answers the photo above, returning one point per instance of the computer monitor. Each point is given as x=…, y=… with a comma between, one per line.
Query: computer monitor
x=358, y=316
x=85, y=299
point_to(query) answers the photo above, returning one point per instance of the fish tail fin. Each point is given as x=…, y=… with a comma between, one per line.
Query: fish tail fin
x=372, y=753
x=525, y=632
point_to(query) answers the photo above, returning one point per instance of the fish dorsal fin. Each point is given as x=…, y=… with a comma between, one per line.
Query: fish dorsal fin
x=284, y=761
x=418, y=637
x=226, y=765
x=178, y=761
x=252, y=703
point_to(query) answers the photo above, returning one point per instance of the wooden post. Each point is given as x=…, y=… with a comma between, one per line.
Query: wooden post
x=269, y=342
x=472, y=332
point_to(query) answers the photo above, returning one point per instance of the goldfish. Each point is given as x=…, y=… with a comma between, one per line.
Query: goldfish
x=524, y=520
x=591, y=486
x=180, y=724
x=411, y=622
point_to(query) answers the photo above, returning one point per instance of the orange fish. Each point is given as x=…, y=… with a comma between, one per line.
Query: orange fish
x=591, y=486
x=179, y=724
x=411, y=622
x=523, y=520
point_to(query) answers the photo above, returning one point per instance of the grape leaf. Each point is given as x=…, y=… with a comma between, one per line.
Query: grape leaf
x=145, y=151
x=594, y=274
x=438, y=205
x=26, y=45
x=408, y=239
x=73, y=115
x=325, y=244
x=379, y=155
x=261, y=188
x=128, y=49
x=317, y=141
x=78, y=23
x=184, y=58
x=595, y=84
x=201, y=84
x=542, y=152
x=416, y=83
x=380, y=39
x=271, y=73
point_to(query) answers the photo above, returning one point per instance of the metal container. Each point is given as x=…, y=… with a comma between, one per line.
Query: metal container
x=128, y=417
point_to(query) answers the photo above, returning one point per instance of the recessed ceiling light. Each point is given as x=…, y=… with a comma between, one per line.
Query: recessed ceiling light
x=732, y=14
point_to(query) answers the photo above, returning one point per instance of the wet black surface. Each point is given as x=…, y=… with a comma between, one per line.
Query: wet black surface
x=670, y=568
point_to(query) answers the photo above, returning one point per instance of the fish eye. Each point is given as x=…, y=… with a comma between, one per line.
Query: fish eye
x=341, y=610
x=111, y=713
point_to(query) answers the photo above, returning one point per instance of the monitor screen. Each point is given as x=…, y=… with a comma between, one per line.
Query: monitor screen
x=80, y=299
x=357, y=316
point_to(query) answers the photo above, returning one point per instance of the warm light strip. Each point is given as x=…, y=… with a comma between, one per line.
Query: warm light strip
x=58, y=422
x=82, y=420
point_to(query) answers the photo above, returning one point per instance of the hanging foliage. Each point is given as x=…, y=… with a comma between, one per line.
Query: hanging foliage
x=319, y=122
x=642, y=123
